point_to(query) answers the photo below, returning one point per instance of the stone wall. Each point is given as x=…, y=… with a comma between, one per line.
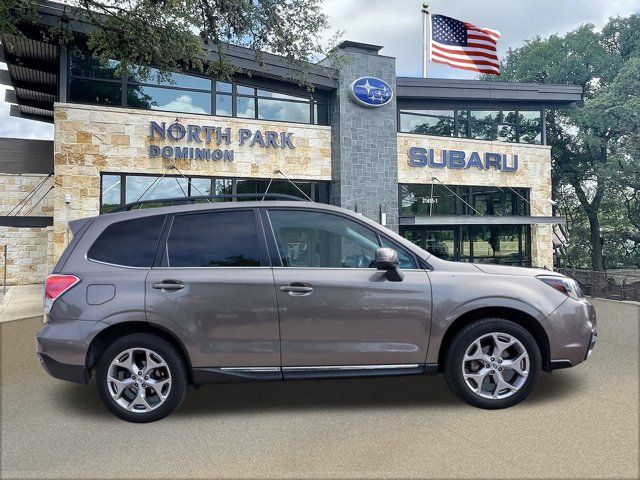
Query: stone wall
x=93, y=139
x=534, y=173
x=365, y=175
x=29, y=250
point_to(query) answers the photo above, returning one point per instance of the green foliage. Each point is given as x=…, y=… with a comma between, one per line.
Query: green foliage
x=175, y=35
x=596, y=146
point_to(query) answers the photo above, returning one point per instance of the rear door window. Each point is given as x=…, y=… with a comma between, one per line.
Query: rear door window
x=130, y=243
x=214, y=239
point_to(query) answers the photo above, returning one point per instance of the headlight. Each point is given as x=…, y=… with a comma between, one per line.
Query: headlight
x=568, y=286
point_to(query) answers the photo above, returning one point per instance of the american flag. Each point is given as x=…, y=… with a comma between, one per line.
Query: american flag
x=463, y=45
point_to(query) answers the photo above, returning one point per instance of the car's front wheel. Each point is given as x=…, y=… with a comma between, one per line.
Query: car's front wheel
x=141, y=378
x=493, y=363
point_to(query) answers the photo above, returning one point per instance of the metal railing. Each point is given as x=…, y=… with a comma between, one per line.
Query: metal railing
x=616, y=285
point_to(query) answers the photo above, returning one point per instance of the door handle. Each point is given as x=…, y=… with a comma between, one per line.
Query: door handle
x=168, y=285
x=297, y=289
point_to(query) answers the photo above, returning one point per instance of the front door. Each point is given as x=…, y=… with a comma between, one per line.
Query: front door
x=214, y=289
x=336, y=310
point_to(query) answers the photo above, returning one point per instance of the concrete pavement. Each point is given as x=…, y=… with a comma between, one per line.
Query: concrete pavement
x=579, y=423
x=22, y=301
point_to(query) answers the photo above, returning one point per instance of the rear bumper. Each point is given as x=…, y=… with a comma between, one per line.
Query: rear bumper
x=63, y=371
x=572, y=332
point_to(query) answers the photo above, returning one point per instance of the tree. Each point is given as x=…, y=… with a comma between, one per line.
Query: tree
x=592, y=145
x=175, y=35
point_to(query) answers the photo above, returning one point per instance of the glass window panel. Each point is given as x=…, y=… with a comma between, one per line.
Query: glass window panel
x=321, y=113
x=322, y=192
x=465, y=247
x=85, y=65
x=235, y=245
x=440, y=243
x=482, y=244
x=131, y=242
x=138, y=186
x=269, y=109
x=530, y=127
x=506, y=244
x=156, y=98
x=95, y=92
x=320, y=240
x=111, y=189
x=153, y=76
x=223, y=87
x=282, y=96
x=418, y=200
x=223, y=186
x=508, y=116
x=247, y=186
x=200, y=187
x=483, y=115
x=286, y=188
x=507, y=133
x=484, y=131
x=224, y=105
x=242, y=90
x=427, y=125
x=245, y=107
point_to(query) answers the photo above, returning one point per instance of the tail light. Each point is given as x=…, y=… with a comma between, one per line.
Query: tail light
x=56, y=285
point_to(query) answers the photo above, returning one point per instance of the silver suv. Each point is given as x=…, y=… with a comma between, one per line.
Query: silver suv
x=152, y=300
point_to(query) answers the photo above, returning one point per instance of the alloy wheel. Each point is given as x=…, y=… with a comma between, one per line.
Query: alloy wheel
x=495, y=365
x=139, y=380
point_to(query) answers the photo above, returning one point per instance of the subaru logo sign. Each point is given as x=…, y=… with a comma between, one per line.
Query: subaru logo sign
x=371, y=92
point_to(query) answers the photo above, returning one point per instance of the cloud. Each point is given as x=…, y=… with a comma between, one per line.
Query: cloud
x=397, y=25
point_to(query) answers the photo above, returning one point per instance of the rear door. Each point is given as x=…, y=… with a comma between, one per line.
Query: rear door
x=212, y=285
x=336, y=310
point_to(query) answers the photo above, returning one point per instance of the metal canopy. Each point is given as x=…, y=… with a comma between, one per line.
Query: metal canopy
x=480, y=220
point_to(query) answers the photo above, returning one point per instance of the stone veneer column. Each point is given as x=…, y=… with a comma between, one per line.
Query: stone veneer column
x=364, y=140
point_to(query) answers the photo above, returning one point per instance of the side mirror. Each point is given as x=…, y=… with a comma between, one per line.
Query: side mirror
x=387, y=259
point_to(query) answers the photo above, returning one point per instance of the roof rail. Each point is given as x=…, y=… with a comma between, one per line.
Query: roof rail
x=165, y=202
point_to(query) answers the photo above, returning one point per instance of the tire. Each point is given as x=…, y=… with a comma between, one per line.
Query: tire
x=504, y=381
x=135, y=399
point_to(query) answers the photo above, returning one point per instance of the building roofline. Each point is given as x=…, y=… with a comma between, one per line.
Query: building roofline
x=442, y=89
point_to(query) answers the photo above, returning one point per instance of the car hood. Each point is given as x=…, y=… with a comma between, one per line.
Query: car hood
x=518, y=271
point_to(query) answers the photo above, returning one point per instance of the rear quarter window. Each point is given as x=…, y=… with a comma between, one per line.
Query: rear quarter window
x=131, y=243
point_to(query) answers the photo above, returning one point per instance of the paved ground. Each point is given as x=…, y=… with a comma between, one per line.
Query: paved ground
x=22, y=301
x=579, y=423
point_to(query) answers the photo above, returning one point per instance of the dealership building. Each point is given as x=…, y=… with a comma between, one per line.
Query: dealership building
x=460, y=167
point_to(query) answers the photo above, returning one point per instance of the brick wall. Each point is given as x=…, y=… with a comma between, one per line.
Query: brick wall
x=29, y=250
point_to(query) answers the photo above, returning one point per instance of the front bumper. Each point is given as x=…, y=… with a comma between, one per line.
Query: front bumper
x=572, y=331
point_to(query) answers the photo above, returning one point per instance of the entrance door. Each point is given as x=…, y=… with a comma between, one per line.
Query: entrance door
x=214, y=289
x=337, y=312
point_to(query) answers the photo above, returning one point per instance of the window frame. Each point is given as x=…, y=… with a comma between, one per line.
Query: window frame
x=161, y=259
x=126, y=82
x=274, y=251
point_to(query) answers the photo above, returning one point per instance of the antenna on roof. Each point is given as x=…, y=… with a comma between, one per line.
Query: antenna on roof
x=278, y=171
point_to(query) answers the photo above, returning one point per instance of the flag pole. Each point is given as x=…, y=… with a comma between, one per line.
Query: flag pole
x=425, y=37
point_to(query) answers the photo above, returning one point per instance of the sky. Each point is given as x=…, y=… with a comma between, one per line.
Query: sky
x=397, y=25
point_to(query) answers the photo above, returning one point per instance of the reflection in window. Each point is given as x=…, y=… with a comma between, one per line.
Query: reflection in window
x=83, y=64
x=170, y=79
x=223, y=105
x=235, y=245
x=245, y=107
x=200, y=186
x=110, y=192
x=140, y=187
x=155, y=98
x=285, y=111
x=95, y=92
x=429, y=122
x=321, y=240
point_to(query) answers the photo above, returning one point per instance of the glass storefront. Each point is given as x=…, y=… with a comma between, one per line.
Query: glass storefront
x=522, y=126
x=118, y=189
x=504, y=244
x=92, y=82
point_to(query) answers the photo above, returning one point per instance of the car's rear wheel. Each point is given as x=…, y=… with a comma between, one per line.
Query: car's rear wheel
x=141, y=378
x=493, y=363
